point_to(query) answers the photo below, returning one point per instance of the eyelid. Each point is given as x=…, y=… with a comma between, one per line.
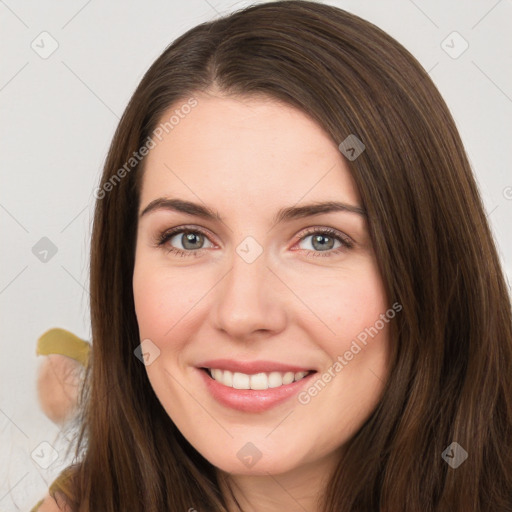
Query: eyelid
x=169, y=233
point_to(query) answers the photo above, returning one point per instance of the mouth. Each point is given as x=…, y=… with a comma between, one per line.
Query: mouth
x=257, y=381
x=252, y=387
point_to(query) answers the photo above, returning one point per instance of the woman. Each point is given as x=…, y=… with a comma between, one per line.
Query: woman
x=247, y=373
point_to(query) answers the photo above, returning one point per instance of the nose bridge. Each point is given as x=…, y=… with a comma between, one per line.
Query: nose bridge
x=248, y=297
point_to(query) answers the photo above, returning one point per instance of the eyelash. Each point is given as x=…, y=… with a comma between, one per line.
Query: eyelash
x=346, y=243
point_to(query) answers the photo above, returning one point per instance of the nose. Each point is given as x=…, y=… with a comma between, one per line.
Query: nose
x=250, y=300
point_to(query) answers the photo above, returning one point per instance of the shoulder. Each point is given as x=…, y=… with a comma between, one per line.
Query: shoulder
x=60, y=495
x=48, y=504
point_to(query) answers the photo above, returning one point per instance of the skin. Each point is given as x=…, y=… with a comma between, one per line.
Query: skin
x=57, y=387
x=50, y=505
x=247, y=158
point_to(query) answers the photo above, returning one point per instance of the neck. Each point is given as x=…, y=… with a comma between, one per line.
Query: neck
x=296, y=490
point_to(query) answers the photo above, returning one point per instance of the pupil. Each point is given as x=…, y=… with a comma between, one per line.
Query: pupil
x=321, y=239
x=189, y=239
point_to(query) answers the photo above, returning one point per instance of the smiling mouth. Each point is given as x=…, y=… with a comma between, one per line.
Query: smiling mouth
x=256, y=381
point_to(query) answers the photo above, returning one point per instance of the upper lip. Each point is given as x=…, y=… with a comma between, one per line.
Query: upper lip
x=252, y=367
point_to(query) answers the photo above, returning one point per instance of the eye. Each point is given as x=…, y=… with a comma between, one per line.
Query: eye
x=191, y=241
x=323, y=242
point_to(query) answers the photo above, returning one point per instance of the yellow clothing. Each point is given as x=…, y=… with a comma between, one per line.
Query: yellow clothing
x=60, y=341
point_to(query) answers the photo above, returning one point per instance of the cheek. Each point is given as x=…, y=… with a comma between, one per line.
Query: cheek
x=350, y=313
x=164, y=300
x=346, y=303
x=362, y=309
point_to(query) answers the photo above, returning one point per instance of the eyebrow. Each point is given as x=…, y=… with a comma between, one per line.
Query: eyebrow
x=283, y=215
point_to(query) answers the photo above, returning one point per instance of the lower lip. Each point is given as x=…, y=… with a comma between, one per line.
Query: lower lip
x=250, y=400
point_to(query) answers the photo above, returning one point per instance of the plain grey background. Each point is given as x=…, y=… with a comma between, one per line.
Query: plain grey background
x=59, y=111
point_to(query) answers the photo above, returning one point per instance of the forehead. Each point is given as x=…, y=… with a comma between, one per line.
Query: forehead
x=245, y=152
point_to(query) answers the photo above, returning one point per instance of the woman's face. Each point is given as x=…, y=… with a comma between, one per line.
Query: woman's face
x=257, y=291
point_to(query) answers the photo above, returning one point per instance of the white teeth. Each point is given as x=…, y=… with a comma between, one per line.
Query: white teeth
x=241, y=381
x=257, y=381
x=216, y=374
x=226, y=379
x=288, y=377
x=275, y=379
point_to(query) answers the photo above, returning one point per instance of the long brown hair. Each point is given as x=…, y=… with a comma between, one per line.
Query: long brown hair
x=450, y=378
